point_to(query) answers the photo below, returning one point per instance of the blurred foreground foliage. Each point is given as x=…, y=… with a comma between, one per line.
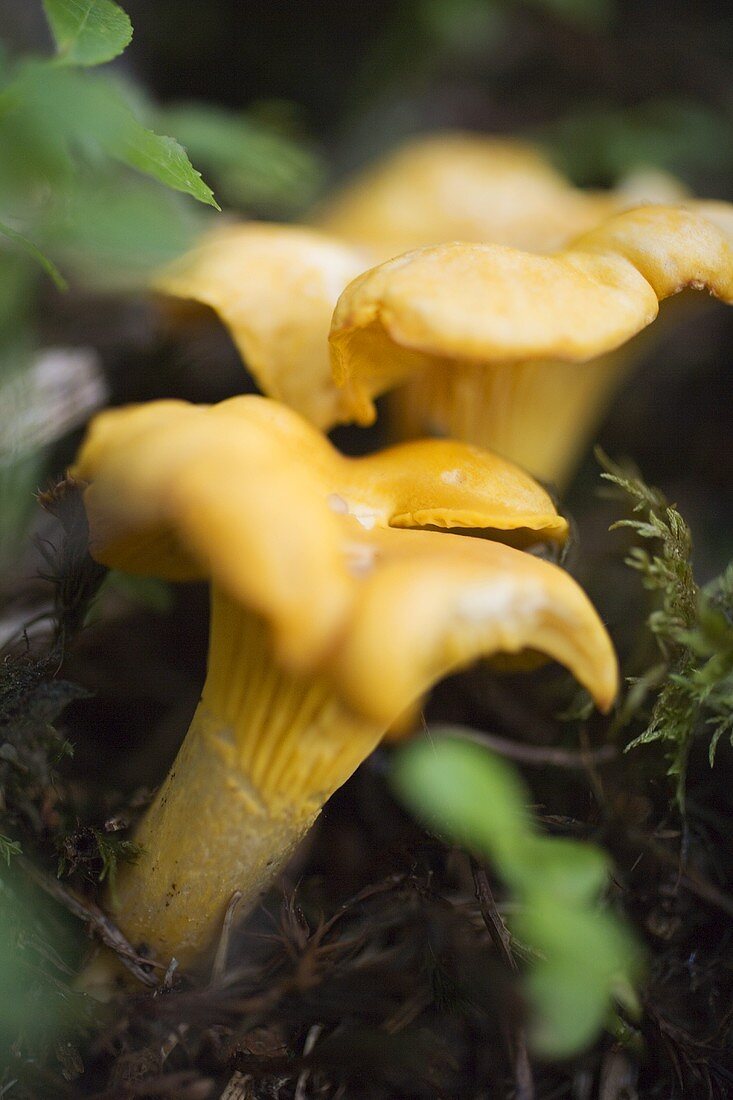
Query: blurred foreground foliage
x=596, y=145
x=81, y=199
x=581, y=954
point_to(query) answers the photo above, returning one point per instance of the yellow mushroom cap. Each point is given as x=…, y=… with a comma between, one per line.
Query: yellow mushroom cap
x=274, y=287
x=467, y=187
x=434, y=604
x=486, y=303
x=250, y=495
x=181, y=492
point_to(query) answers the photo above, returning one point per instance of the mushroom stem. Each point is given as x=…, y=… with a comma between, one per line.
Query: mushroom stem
x=513, y=408
x=264, y=751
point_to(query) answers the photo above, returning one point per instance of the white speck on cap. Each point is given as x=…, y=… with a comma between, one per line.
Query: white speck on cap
x=337, y=503
x=496, y=600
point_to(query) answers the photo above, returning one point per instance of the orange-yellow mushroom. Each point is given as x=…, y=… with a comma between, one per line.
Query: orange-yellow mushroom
x=513, y=350
x=331, y=613
x=274, y=287
x=467, y=187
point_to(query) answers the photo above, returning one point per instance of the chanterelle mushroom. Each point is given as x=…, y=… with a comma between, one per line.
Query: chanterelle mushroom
x=275, y=286
x=513, y=350
x=468, y=187
x=328, y=620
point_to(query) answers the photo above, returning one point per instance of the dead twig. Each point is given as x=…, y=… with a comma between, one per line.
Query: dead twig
x=91, y=914
x=492, y=918
x=239, y=1087
x=502, y=940
x=540, y=756
x=690, y=880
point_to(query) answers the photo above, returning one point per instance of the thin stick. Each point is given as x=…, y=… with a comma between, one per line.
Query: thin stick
x=497, y=929
x=502, y=940
x=100, y=923
x=538, y=755
x=238, y=1088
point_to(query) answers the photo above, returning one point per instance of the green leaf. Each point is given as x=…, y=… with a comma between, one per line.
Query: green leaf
x=253, y=165
x=37, y=948
x=462, y=792
x=28, y=246
x=163, y=159
x=569, y=871
x=147, y=592
x=88, y=32
x=114, y=232
x=597, y=145
x=583, y=955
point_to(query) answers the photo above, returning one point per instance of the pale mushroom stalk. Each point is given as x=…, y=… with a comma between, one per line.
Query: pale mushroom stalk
x=507, y=403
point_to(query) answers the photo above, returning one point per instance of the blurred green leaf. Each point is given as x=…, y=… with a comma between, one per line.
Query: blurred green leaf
x=113, y=232
x=21, y=468
x=583, y=953
x=54, y=120
x=462, y=26
x=48, y=265
x=18, y=277
x=62, y=190
x=15, y=1009
x=88, y=32
x=161, y=157
x=37, y=943
x=571, y=872
x=597, y=145
x=148, y=592
x=253, y=165
x=19, y=478
x=465, y=795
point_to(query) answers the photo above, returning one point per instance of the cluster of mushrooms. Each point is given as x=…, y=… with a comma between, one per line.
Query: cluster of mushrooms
x=494, y=303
